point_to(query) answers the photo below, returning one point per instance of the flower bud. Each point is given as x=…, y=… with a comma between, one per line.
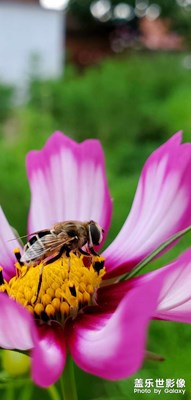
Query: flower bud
x=15, y=363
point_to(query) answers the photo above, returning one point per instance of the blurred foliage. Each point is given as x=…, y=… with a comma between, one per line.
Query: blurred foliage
x=6, y=101
x=132, y=104
x=129, y=103
x=128, y=98
x=178, y=12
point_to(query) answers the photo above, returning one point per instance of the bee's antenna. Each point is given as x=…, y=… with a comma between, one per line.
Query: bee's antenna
x=20, y=237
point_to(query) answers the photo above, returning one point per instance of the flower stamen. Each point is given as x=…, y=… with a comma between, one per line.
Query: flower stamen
x=1, y=276
x=17, y=254
x=63, y=292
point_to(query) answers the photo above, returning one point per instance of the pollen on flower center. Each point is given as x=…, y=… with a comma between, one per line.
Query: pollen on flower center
x=67, y=286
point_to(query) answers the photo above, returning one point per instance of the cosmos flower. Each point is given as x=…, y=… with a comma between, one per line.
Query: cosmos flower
x=85, y=309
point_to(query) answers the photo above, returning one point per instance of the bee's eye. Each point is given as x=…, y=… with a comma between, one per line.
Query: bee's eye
x=95, y=234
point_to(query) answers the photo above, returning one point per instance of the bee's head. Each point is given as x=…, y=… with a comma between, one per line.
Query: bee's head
x=96, y=232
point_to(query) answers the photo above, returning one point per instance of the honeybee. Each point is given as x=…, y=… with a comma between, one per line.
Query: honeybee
x=48, y=245
x=63, y=237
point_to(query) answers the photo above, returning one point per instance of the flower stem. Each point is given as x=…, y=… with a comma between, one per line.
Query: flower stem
x=155, y=253
x=67, y=380
x=53, y=393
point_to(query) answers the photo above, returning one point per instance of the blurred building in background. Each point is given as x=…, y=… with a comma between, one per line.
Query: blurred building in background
x=31, y=39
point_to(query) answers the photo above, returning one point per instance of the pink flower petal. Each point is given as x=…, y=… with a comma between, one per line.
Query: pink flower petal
x=109, y=297
x=49, y=355
x=17, y=328
x=174, y=303
x=112, y=345
x=67, y=182
x=175, y=297
x=162, y=207
x=7, y=246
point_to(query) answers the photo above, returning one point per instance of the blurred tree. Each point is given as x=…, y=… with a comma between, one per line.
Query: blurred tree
x=6, y=101
x=109, y=13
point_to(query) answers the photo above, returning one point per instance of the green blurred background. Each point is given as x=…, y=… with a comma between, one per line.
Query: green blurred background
x=132, y=97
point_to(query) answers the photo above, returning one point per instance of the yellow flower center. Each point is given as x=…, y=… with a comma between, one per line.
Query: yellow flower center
x=67, y=286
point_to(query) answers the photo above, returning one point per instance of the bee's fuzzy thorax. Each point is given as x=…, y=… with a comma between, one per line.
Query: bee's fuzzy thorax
x=67, y=286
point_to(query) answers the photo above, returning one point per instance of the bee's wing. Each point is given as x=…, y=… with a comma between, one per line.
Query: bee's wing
x=35, y=250
x=33, y=253
x=44, y=246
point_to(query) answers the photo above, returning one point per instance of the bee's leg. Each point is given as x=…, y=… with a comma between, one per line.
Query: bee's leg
x=93, y=254
x=64, y=249
x=61, y=251
x=28, y=266
x=67, y=251
x=41, y=270
x=84, y=253
x=92, y=251
x=68, y=264
x=39, y=282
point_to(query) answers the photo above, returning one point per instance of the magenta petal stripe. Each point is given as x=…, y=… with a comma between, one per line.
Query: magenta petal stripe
x=49, y=355
x=17, y=327
x=112, y=346
x=7, y=246
x=162, y=207
x=68, y=181
x=174, y=302
x=175, y=296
